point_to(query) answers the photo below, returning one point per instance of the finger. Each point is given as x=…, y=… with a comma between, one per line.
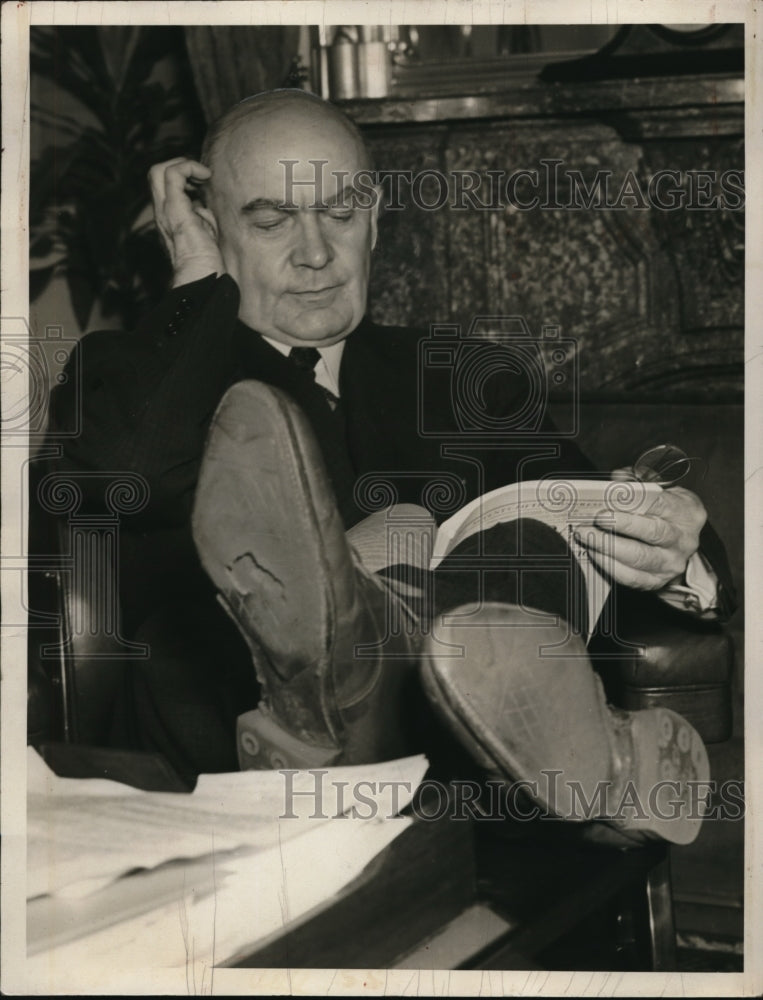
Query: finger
x=648, y=528
x=626, y=475
x=156, y=177
x=679, y=502
x=176, y=219
x=178, y=175
x=638, y=555
x=177, y=203
x=169, y=182
x=209, y=220
x=630, y=576
x=156, y=180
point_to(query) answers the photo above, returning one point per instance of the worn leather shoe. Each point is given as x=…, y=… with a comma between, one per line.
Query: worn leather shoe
x=330, y=643
x=523, y=699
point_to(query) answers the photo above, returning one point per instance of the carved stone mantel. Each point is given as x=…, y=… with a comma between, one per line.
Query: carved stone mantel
x=653, y=296
x=532, y=99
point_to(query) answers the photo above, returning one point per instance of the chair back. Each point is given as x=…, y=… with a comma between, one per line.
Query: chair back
x=75, y=643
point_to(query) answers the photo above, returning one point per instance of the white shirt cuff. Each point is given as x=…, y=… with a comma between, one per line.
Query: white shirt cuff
x=698, y=593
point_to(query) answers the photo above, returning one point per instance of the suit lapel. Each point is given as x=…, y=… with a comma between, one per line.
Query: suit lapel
x=257, y=359
x=380, y=402
x=380, y=381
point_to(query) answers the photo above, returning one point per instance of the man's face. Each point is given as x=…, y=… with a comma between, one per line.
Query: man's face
x=302, y=271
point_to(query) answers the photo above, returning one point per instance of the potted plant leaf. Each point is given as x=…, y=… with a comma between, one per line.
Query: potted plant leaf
x=120, y=106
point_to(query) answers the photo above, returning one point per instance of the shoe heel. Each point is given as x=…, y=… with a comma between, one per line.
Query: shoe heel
x=671, y=773
x=264, y=746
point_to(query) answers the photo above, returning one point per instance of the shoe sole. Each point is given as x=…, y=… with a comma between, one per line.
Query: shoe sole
x=529, y=716
x=273, y=570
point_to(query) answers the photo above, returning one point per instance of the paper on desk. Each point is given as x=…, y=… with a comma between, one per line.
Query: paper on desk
x=82, y=833
x=223, y=907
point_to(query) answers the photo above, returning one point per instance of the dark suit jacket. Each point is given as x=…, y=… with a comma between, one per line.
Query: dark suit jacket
x=147, y=399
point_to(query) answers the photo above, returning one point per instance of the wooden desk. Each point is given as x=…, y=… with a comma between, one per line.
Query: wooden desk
x=457, y=894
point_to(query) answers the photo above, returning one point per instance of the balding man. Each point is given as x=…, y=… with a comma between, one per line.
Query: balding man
x=254, y=400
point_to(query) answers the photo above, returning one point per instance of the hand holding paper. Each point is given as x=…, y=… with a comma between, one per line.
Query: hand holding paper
x=648, y=550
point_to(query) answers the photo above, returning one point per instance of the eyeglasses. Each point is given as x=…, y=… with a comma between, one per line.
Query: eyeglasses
x=664, y=464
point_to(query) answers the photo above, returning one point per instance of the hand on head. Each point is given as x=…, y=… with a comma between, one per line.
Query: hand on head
x=188, y=229
x=284, y=217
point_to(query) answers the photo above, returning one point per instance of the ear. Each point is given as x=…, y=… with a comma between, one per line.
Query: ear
x=375, y=209
x=209, y=219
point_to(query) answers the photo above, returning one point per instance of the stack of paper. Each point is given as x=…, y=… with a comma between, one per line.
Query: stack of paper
x=220, y=869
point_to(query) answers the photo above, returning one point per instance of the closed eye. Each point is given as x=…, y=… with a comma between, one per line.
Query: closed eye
x=342, y=214
x=269, y=218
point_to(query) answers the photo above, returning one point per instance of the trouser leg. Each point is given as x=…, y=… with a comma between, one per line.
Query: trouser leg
x=188, y=692
x=523, y=563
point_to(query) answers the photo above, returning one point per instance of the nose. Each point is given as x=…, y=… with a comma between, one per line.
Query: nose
x=311, y=248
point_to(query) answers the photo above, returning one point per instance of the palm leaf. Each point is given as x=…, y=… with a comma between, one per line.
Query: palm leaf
x=90, y=189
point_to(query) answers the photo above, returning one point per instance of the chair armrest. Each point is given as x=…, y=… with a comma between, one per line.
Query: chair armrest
x=664, y=657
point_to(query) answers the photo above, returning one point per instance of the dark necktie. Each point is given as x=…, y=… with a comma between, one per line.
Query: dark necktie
x=331, y=431
x=306, y=358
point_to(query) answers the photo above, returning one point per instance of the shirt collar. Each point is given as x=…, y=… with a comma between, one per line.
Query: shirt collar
x=331, y=359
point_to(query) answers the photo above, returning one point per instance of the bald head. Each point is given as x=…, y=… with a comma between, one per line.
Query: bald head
x=289, y=109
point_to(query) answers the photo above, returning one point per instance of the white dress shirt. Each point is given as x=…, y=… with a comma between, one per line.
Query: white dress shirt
x=327, y=369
